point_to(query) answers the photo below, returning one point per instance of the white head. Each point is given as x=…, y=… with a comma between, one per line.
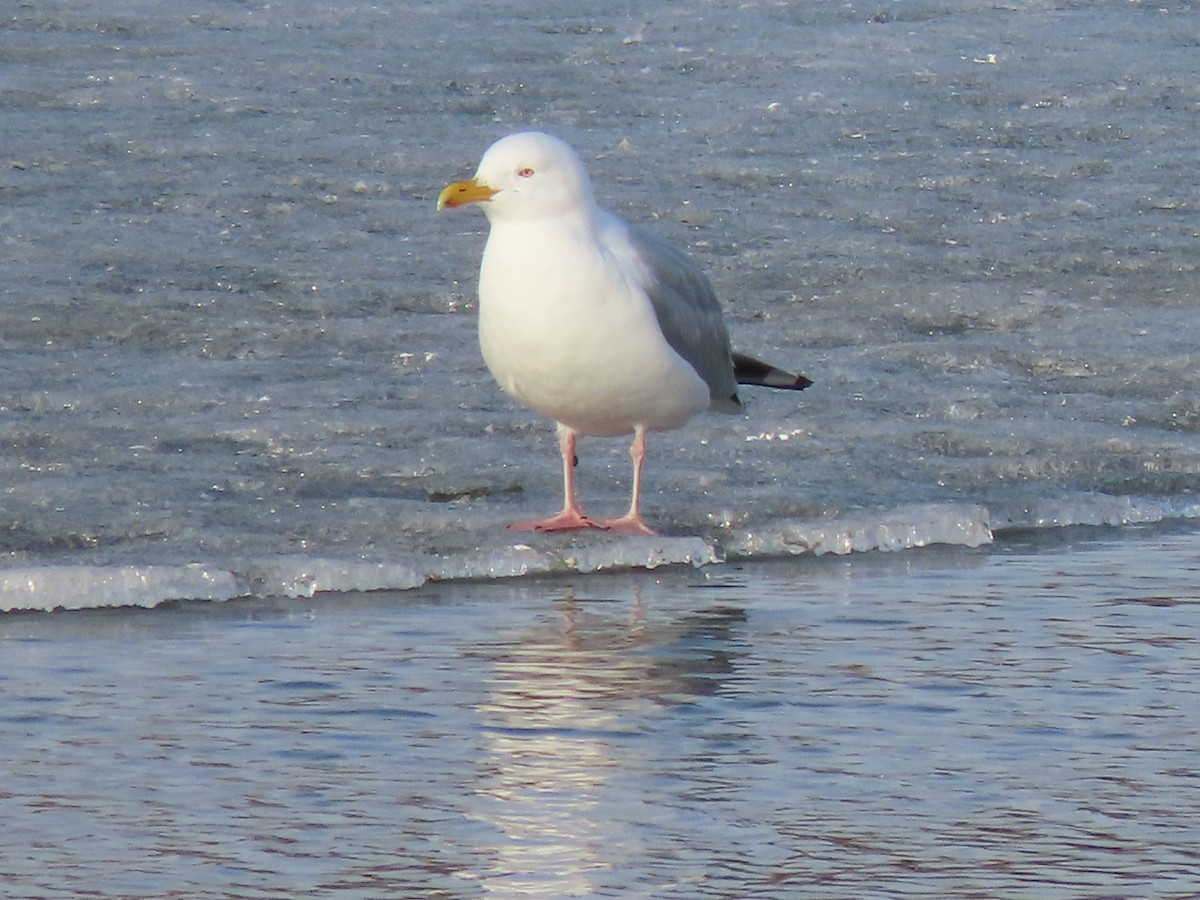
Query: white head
x=524, y=176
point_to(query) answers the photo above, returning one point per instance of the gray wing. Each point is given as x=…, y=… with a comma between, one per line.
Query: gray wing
x=689, y=315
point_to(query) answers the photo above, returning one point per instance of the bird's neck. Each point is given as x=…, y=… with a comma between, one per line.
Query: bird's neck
x=576, y=223
x=548, y=255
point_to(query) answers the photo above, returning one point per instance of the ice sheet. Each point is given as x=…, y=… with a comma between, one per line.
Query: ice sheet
x=236, y=339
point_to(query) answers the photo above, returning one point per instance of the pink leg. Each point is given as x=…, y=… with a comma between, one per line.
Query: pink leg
x=571, y=517
x=632, y=522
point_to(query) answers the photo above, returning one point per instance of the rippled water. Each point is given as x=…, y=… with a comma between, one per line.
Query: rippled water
x=1015, y=721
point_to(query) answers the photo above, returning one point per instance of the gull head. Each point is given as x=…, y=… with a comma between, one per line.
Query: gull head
x=522, y=177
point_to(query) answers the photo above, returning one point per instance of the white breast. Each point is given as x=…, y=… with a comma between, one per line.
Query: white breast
x=567, y=330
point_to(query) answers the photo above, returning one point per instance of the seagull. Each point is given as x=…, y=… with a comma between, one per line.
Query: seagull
x=596, y=324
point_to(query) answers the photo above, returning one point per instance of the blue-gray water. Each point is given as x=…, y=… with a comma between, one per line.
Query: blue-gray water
x=1019, y=721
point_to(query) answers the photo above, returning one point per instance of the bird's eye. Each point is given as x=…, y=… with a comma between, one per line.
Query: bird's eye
x=525, y=172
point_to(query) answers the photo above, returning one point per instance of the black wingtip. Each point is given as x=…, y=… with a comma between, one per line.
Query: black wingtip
x=748, y=370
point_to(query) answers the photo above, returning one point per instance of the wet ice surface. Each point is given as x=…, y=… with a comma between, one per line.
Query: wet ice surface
x=237, y=347
x=1010, y=721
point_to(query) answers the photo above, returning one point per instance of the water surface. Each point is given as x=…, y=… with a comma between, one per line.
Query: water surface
x=1016, y=721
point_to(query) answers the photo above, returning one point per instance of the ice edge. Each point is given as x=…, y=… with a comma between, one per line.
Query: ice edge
x=69, y=587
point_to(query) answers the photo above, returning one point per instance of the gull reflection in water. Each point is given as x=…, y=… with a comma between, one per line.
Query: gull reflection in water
x=566, y=725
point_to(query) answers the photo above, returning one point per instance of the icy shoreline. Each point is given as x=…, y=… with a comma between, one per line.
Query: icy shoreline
x=76, y=587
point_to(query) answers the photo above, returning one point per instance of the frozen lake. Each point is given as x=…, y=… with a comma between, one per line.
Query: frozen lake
x=237, y=344
x=238, y=363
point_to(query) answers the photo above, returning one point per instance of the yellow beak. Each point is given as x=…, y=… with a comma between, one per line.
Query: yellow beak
x=461, y=193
